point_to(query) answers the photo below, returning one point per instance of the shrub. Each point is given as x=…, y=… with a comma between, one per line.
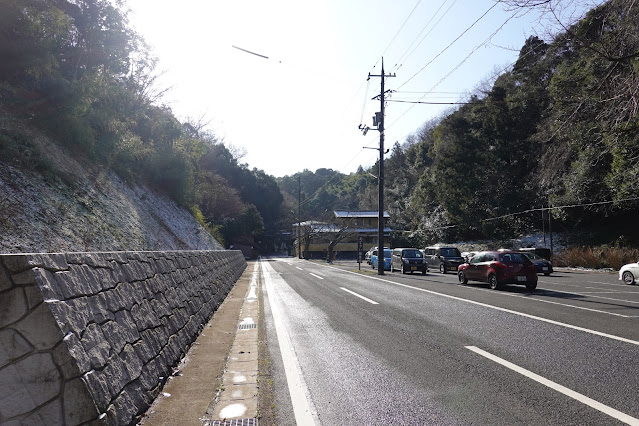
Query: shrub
x=596, y=257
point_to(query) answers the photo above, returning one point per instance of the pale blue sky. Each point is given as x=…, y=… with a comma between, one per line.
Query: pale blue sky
x=300, y=108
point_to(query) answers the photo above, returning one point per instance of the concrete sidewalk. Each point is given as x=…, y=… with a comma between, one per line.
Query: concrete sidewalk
x=217, y=383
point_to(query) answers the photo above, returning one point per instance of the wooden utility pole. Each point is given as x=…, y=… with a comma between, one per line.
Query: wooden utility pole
x=380, y=127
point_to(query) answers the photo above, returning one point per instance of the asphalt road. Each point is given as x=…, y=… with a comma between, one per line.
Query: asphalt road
x=352, y=347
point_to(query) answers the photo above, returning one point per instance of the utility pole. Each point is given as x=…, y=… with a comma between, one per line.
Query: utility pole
x=379, y=121
x=299, y=216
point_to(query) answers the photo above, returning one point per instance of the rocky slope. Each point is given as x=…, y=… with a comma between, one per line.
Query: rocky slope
x=63, y=204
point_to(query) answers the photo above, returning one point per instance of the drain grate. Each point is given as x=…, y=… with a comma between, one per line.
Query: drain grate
x=234, y=422
x=247, y=326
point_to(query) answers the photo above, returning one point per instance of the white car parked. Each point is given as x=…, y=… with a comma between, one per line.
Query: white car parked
x=629, y=273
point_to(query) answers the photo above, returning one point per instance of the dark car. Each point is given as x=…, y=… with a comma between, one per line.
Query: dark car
x=408, y=260
x=543, y=266
x=443, y=258
x=498, y=268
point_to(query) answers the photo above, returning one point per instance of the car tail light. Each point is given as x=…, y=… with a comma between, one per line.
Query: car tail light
x=500, y=265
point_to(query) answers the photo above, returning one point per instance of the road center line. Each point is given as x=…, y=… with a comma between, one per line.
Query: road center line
x=299, y=268
x=360, y=296
x=559, y=388
x=497, y=308
x=316, y=276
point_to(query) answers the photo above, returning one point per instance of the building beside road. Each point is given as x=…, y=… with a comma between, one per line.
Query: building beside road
x=343, y=231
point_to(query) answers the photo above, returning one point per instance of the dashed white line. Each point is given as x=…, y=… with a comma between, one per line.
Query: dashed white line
x=316, y=276
x=559, y=388
x=360, y=296
x=299, y=268
x=497, y=308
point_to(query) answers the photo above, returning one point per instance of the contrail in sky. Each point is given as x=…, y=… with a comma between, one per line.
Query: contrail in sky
x=248, y=51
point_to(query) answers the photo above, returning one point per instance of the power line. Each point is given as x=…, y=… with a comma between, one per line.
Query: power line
x=400, y=28
x=541, y=209
x=402, y=58
x=429, y=103
x=451, y=43
x=460, y=64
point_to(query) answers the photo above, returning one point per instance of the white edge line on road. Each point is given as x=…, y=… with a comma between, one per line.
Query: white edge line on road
x=583, y=293
x=316, y=276
x=559, y=388
x=497, y=308
x=298, y=391
x=360, y=296
x=567, y=305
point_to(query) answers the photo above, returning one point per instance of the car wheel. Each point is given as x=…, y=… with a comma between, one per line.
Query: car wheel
x=531, y=286
x=424, y=271
x=462, y=278
x=546, y=273
x=628, y=278
x=492, y=282
x=403, y=270
x=442, y=268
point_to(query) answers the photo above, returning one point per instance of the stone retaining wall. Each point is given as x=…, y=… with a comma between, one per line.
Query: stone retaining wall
x=92, y=337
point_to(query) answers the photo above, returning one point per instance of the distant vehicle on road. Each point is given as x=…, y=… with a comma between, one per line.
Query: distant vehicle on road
x=542, y=265
x=467, y=255
x=387, y=259
x=498, y=268
x=443, y=258
x=369, y=253
x=629, y=273
x=408, y=259
x=540, y=251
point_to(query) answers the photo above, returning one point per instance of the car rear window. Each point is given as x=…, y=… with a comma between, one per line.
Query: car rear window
x=412, y=253
x=450, y=252
x=513, y=258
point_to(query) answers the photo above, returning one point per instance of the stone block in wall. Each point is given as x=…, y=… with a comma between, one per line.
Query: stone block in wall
x=49, y=414
x=97, y=385
x=79, y=406
x=27, y=384
x=5, y=280
x=131, y=361
x=15, y=306
x=40, y=328
x=12, y=346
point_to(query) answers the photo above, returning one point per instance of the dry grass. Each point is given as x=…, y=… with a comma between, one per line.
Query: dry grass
x=596, y=257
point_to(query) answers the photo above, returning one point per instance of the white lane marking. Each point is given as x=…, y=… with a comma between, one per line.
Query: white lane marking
x=599, y=289
x=316, y=276
x=296, y=386
x=299, y=268
x=559, y=388
x=568, y=306
x=613, y=284
x=497, y=308
x=360, y=296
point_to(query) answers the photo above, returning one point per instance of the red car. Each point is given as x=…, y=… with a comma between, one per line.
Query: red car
x=498, y=268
